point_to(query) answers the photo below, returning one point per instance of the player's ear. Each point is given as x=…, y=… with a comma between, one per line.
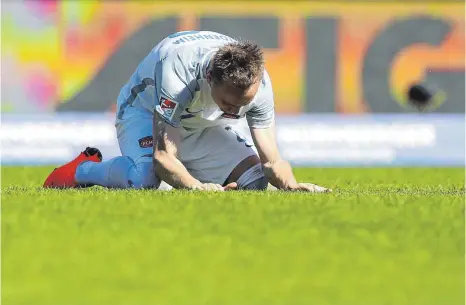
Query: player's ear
x=209, y=77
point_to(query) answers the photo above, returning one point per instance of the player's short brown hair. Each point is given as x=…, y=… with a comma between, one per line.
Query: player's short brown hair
x=239, y=64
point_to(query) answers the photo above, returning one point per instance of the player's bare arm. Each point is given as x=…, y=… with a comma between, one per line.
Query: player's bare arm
x=278, y=170
x=167, y=166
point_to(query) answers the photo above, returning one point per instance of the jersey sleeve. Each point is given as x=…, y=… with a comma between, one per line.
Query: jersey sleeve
x=262, y=114
x=174, y=88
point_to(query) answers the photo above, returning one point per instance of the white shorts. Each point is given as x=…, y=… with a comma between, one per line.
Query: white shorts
x=210, y=155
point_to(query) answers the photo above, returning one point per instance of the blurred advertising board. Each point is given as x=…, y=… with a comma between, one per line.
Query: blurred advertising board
x=323, y=57
x=304, y=140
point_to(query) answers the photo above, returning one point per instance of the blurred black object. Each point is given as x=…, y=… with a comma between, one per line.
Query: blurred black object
x=424, y=97
x=419, y=94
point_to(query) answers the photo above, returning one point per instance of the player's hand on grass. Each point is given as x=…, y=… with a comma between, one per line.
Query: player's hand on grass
x=309, y=187
x=230, y=186
x=215, y=187
x=208, y=187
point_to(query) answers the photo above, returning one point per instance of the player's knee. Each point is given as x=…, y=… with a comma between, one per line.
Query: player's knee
x=127, y=174
x=260, y=184
x=118, y=174
x=253, y=179
x=143, y=176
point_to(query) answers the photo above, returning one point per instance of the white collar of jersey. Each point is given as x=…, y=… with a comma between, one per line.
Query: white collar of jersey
x=210, y=109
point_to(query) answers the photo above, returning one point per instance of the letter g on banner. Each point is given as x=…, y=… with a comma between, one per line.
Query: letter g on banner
x=389, y=43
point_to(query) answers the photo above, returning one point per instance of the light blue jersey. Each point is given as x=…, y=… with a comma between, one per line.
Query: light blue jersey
x=172, y=81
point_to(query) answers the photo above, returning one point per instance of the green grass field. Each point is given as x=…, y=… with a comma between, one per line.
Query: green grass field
x=384, y=236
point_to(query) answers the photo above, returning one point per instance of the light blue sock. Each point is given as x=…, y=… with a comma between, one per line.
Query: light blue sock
x=119, y=172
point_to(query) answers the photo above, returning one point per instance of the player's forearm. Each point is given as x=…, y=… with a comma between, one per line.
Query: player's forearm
x=280, y=175
x=169, y=169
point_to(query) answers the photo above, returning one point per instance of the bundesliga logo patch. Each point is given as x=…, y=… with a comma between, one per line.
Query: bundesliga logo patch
x=168, y=107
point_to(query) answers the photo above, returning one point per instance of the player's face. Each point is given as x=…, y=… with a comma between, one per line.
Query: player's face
x=229, y=100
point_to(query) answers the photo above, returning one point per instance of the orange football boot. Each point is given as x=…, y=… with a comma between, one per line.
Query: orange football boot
x=63, y=176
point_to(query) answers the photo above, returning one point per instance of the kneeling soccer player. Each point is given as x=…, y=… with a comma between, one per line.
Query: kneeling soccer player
x=176, y=118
